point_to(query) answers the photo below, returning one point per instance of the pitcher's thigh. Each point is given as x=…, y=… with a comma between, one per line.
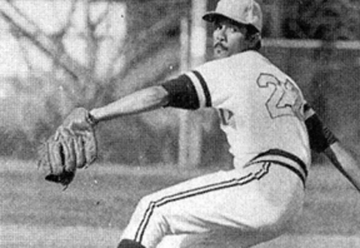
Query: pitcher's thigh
x=224, y=199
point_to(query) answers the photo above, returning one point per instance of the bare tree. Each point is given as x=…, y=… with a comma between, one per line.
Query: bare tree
x=106, y=46
x=111, y=58
x=98, y=62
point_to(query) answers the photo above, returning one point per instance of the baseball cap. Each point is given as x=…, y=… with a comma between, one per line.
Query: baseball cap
x=242, y=11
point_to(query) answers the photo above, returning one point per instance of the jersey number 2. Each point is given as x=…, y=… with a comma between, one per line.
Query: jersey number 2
x=285, y=99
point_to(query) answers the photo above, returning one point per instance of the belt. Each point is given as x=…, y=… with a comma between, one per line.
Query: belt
x=283, y=158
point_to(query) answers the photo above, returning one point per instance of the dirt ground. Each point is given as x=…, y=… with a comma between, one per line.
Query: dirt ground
x=98, y=204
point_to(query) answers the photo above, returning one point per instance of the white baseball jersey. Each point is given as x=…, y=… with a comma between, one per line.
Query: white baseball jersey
x=260, y=107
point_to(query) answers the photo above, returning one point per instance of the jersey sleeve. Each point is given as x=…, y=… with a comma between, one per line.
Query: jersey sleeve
x=201, y=88
x=188, y=91
x=217, y=82
x=208, y=85
x=320, y=136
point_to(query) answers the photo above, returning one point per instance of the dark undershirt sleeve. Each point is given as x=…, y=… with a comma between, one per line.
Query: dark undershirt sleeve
x=182, y=93
x=320, y=136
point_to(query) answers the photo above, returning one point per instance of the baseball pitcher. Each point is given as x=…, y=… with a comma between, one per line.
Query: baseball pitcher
x=270, y=129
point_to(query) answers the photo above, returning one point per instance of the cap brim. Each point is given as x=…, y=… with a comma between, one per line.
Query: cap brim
x=212, y=15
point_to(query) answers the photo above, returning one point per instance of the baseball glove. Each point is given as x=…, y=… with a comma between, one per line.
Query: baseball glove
x=72, y=146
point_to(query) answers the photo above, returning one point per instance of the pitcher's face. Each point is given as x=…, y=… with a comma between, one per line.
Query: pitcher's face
x=228, y=38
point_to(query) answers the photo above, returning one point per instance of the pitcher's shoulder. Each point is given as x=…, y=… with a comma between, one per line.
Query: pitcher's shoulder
x=249, y=57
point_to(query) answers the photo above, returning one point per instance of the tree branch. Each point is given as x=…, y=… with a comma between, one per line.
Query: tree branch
x=144, y=42
x=30, y=30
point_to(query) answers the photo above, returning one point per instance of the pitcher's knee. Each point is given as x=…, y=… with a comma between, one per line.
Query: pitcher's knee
x=153, y=212
x=146, y=203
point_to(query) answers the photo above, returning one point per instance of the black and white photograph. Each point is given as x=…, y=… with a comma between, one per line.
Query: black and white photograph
x=179, y=123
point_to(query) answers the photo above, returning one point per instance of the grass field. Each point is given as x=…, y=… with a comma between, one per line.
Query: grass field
x=97, y=205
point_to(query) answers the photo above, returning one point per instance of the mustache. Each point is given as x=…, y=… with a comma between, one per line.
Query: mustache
x=219, y=44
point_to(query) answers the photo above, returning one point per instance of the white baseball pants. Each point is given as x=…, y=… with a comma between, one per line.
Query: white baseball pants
x=236, y=208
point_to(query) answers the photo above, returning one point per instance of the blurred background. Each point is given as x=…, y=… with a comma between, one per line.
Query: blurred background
x=59, y=54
